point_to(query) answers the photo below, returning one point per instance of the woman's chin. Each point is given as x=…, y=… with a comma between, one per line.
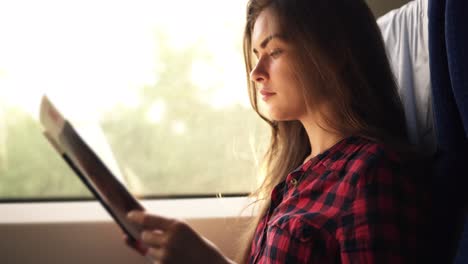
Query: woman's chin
x=275, y=116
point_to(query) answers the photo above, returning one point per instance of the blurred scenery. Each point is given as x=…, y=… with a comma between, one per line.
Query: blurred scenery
x=164, y=84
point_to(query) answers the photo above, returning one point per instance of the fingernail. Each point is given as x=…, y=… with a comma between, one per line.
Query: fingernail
x=131, y=214
x=145, y=235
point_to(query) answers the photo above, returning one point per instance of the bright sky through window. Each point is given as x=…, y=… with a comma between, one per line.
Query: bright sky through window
x=158, y=86
x=101, y=52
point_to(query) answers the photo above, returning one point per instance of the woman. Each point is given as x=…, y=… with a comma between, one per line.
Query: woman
x=336, y=190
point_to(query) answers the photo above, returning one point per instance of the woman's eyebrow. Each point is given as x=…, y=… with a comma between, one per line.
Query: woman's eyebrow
x=266, y=40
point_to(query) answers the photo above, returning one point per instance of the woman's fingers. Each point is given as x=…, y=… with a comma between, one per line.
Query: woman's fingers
x=157, y=254
x=136, y=245
x=154, y=238
x=173, y=241
x=148, y=221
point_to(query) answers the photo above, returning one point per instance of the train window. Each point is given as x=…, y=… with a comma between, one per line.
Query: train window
x=157, y=85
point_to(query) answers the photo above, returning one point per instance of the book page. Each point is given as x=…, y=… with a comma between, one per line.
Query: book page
x=93, y=171
x=53, y=122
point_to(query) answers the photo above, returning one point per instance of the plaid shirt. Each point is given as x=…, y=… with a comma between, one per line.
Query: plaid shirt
x=350, y=204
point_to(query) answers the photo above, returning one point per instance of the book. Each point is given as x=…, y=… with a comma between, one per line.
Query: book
x=92, y=171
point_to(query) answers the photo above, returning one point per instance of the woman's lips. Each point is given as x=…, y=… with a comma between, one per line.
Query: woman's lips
x=266, y=94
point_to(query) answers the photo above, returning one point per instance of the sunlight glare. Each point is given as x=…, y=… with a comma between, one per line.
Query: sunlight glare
x=178, y=127
x=50, y=48
x=156, y=112
x=97, y=53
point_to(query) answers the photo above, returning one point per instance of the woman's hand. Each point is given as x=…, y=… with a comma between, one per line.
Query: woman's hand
x=173, y=241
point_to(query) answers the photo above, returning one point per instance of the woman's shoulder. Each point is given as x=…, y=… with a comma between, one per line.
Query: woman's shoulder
x=359, y=154
x=366, y=162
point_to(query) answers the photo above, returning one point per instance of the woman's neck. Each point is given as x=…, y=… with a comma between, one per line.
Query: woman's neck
x=320, y=139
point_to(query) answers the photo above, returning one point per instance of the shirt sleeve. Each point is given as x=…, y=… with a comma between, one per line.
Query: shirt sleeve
x=384, y=221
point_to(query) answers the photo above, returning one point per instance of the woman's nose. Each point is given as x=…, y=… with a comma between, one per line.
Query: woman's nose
x=258, y=73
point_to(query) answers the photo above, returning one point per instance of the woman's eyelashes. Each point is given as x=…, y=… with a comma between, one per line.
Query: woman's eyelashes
x=275, y=53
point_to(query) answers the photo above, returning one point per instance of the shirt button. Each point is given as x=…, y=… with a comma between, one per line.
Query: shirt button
x=294, y=182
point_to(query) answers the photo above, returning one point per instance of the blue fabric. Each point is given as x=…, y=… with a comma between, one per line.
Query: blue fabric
x=462, y=254
x=457, y=49
x=450, y=179
x=449, y=128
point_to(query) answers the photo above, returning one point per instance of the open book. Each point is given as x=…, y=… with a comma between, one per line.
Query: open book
x=97, y=177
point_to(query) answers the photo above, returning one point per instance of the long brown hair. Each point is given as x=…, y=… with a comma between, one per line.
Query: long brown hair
x=342, y=51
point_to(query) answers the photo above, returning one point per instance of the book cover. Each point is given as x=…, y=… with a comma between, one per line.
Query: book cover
x=87, y=165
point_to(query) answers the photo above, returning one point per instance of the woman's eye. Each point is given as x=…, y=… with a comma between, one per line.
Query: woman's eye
x=275, y=53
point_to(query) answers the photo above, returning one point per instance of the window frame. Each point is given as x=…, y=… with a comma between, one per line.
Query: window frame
x=83, y=232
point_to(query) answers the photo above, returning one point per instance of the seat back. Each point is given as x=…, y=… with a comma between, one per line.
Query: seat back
x=427, y=45
x=451, y=173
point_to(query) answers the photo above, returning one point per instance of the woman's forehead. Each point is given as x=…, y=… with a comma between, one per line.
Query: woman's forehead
x=266, y=24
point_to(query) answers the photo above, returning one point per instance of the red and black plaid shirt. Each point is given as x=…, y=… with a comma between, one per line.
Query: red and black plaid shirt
x=350, y=204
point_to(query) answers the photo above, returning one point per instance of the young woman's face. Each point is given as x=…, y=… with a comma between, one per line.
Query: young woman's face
x=276, y=82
